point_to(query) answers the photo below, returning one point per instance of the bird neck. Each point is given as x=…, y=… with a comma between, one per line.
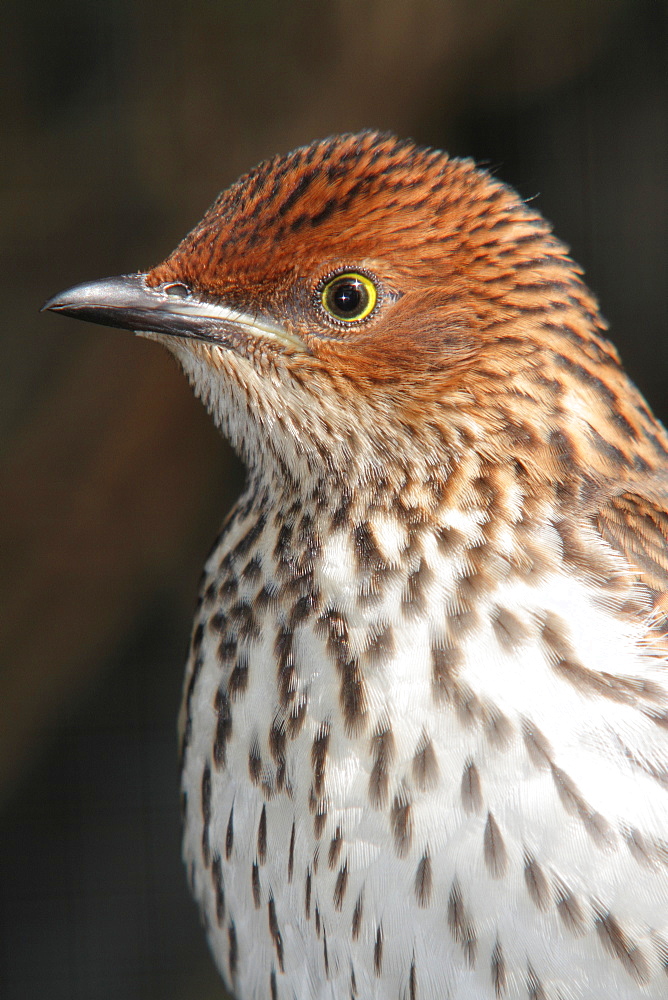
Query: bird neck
x=383, y=514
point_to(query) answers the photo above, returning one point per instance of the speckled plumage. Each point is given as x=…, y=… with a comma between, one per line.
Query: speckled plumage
x=424, y=728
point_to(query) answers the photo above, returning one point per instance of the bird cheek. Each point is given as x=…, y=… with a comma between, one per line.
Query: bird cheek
x=434, y=327
x=382, y=360
x=456, y=349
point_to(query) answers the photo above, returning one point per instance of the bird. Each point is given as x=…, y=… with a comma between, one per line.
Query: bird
x=424, y=729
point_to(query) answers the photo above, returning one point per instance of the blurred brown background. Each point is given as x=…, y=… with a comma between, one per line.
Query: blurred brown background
x=120, y=122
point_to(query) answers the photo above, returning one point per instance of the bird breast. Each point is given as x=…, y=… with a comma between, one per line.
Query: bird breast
x=384, y=714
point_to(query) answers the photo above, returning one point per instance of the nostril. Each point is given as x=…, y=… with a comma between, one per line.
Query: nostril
x=177, y=289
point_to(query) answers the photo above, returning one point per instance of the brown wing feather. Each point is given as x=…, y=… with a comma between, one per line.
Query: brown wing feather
x=638, y=527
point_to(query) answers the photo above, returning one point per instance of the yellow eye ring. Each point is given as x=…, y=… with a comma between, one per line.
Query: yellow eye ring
x=349, y=297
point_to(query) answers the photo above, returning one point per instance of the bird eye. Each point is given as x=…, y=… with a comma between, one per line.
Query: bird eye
x=349, y=297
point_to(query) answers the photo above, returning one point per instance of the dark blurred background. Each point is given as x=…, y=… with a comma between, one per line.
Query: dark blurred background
x=120, y=122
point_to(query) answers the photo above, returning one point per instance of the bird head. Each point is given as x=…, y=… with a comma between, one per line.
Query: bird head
x=363, y=304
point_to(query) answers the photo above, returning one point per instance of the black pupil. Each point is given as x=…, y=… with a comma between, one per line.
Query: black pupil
x=348, y=297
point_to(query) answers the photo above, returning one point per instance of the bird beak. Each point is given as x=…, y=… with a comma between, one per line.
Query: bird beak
x=129, y=302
